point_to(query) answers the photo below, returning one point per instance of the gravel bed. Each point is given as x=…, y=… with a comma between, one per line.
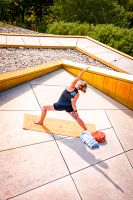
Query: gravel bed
x=15, y=29
x=12, y=59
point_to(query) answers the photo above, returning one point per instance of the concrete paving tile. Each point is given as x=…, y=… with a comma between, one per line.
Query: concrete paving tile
x=3, y=39
x=12, y=133
x=110, y=180
x=16, y=40
x=26, y=168
x=96, y=49
x=32, y=41
x=97, y=117
x=125, y=64
x=55, y=78
x=47, y=94
x=94, y=99
x=83, y=43
x=78, y=156
x=130, y=156
x=66, y=41
x=122, y=122
x=109, y=56
x=48, y=41
x=62, y=189
x=19, y=98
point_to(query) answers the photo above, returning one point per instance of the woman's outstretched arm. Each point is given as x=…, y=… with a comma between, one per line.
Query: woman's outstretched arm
x=74, y=82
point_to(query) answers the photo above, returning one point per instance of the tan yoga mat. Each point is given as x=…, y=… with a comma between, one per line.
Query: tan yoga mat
x=55, y=126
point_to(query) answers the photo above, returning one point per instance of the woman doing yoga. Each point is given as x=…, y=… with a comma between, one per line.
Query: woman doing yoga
x=67, y=101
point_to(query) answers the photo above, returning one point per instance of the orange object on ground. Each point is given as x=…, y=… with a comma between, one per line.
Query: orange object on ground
x=99, y=136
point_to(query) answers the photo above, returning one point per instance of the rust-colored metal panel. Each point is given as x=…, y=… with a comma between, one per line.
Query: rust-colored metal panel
x=122, y=92
x=130, y=99
x=109, y=86
x=97, y=81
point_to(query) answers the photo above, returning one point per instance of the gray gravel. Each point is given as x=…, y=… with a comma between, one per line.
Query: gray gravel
x=15, y=29
x=12, y=59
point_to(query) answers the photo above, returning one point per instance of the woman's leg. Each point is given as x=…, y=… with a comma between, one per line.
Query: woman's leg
x=43, y=114
x=78, y=119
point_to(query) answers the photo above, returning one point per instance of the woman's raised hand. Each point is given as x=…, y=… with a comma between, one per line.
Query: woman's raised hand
x=86, y=68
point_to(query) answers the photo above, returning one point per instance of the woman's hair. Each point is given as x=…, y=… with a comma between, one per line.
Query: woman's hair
x=82, y=86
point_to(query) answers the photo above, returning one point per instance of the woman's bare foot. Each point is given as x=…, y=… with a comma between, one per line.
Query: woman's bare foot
x=38, y=122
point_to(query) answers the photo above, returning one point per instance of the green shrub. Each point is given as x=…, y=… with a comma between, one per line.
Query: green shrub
x=41, y=27
x=26, y=24
x=116, y=37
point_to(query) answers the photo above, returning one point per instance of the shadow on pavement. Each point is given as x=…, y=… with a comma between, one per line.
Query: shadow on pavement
x=81, y=150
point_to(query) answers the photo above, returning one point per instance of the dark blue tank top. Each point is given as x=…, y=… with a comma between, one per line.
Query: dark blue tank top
x=66, y=96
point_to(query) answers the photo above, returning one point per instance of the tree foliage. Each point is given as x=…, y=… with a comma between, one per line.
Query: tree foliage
x=90, y=11
x=4, y=10
x=42, y=12
x=99, y=19
x=24, y=11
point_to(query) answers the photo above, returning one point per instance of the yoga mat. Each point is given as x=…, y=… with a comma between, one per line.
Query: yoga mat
x=55, y=126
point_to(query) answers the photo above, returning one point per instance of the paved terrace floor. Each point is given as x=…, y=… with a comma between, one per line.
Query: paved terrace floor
x=40, y=166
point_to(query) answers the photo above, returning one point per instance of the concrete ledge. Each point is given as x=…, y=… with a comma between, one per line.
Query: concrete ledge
x=100, y=60
x=43, y=35
x=111, y=48
x=36, y=46
x=117, y=85
x=11, y=79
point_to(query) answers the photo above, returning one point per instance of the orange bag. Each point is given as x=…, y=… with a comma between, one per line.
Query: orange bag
x=99, y=136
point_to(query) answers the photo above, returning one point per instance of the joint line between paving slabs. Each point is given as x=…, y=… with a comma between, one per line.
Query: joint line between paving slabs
x=36, y=187
x=23, y=40
x=35, y=96
x=39, y=41
x=100, y=109
x=28, y=145
x=6, y=39
x=97, y=163
x=61, y=178
x=128, y=158
x=68, y=169
x=49, y=85
x=103, y=129
x=119, y=140
x=76, y=44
